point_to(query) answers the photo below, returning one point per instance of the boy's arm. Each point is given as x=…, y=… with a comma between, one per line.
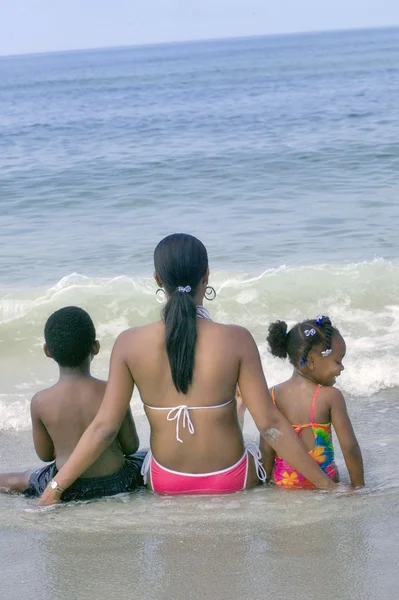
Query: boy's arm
x=42, y=441
x=347, y=438
x=127, y=436
x=268, y=455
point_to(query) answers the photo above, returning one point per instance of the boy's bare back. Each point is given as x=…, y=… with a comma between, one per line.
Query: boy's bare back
x=60, y=415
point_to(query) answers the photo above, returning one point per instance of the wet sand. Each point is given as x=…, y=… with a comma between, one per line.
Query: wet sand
x=352, y=556
x=264, y=543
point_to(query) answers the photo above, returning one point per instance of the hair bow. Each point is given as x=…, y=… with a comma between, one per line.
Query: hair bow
x=320, y=318
x=309, y=332
x=326, y=352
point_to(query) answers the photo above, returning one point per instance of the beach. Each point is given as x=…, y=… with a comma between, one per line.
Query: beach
x=263, y=543
x=280, y=154
x=355, y=556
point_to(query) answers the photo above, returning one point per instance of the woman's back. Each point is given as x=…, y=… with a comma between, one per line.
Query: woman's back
x=206, y=436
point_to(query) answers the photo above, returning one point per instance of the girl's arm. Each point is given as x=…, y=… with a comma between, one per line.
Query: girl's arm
x=346, y=437
x=273, y=427
x=104, y=427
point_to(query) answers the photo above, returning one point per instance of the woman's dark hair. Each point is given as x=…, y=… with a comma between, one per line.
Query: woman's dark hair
x=298, y=341
x=69, y=334
x=180, y=261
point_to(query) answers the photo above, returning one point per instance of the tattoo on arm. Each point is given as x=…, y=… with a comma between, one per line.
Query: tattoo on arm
x=271, y=434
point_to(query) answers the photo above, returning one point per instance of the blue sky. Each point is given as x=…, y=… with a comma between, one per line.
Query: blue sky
x=46, y=25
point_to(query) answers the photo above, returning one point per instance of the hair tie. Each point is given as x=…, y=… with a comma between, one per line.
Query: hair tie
x=321, y=318
x=326, y=352
x=183, y=289
x=309, y=332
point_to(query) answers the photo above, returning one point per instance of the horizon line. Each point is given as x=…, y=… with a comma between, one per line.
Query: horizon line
x=199, y=40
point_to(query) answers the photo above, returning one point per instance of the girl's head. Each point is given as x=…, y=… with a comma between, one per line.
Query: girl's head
x=181, y=268
x=314, y=347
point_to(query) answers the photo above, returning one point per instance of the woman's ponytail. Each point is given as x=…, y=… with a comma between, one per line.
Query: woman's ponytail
x=181, y=334
x=181, y=262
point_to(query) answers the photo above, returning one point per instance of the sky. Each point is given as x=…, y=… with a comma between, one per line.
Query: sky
x=29, y=26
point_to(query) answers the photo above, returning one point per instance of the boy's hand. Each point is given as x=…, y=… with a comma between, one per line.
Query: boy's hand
x=49, y=496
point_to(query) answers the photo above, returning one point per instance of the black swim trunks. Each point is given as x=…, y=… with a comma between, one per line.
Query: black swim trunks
x=126, y=479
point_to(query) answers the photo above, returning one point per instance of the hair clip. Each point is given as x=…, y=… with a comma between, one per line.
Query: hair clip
x=302, y=362
x=326, y=352
x=182, y=289
x=310, y=332
x=319, y=320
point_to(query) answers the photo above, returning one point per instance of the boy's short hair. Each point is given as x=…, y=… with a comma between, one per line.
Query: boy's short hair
x=69, y=334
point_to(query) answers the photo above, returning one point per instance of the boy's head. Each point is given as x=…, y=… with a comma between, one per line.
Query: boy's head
x=70, y=337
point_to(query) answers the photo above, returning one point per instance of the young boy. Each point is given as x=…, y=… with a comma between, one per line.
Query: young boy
x=60, y=414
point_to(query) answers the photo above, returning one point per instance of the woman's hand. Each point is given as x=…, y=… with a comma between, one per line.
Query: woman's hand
x=49, y=496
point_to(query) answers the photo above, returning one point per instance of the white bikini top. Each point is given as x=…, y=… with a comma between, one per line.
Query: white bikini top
x=181, y=414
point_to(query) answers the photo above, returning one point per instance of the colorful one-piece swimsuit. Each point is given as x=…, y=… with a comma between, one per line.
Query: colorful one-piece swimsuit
x=284, y=475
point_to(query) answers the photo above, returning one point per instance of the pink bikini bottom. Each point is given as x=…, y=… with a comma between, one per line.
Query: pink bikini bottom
x=227, y=481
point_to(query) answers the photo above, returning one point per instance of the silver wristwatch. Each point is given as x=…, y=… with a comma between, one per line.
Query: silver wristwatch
x=54, y=486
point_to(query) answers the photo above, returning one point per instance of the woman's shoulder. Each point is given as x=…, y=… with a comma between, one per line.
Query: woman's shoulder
x=134, y=333
x=234, y=334
x=235, y=330
x=152, y=335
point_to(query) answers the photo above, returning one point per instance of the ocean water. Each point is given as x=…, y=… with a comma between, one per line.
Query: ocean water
x=282, y=155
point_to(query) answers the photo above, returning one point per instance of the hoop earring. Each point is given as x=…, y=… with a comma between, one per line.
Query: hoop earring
x=210, y=293
x=160, y=294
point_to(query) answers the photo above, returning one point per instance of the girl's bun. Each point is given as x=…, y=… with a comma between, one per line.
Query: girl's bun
x=277, y=339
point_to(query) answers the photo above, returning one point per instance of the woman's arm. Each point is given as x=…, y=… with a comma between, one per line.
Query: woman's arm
x=104, y=427
x=268, y=456
x=241, y=408
x=273, y=427
x=347, y=438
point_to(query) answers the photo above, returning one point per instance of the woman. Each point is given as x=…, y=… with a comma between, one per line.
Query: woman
x=187, y=369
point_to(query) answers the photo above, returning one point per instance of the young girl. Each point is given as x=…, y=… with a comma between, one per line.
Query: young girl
x=310, y=402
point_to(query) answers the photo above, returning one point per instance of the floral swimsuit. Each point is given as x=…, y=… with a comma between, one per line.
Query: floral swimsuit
x=322, y=452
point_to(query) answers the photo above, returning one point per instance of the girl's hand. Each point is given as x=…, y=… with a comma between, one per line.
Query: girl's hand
x=49, y=496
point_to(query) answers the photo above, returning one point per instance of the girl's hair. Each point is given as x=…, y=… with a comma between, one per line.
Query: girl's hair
x=180, y=262
x=298, y=341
